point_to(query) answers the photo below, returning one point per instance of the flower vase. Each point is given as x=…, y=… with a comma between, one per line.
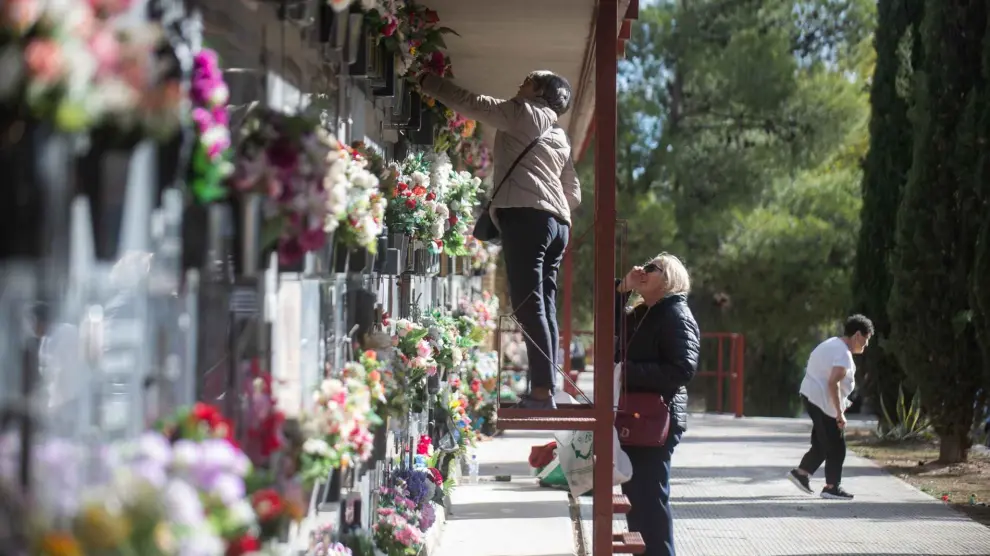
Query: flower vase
x=247, y=234
x=446, y=265
x=421, y=261
x=379, y=447
x=425, y=134
x=104, y=178
x=433, y=384
x=433, y=267
x=400, y=242
x=34, y=216
x=331, y=494
x=332, y=26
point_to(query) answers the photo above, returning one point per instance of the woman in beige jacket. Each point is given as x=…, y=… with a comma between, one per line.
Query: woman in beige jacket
x=532, y=208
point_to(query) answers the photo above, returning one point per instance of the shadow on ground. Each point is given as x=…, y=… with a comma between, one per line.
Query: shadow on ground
x=818, y=509
x=499, y=510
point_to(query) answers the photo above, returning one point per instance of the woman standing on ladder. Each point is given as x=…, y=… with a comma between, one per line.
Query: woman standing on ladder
x=536, y=190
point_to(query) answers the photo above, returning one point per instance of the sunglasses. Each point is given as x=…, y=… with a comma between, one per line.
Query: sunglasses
x=651, y=268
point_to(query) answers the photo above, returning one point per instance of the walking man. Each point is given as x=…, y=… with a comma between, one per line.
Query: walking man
x=828, y=382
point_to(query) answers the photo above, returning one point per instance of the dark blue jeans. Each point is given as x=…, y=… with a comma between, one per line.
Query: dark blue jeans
x=533, y=243
x=649, y=493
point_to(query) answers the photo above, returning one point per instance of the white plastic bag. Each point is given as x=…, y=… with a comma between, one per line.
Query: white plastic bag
x=575, y=449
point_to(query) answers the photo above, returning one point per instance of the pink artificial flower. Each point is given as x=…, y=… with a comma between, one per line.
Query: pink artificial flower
x=105, y=48
x=44, y=60
x=203, y=119
x=391, y=24
x=283, y=154
x=220, y=116
x=312, y=239
x=19, y=15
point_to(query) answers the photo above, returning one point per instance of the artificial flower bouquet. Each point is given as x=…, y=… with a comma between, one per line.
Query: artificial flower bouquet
x=461, y=198
x=412, y=32
x=415, y=207
x=83, y=65
x=211, y=155
x=339, y=427
x=323, y=542
x=358, y=221
x=483, y=312
x=475, y=156
x=397, y=529
x=264, y=421
x=286, y=159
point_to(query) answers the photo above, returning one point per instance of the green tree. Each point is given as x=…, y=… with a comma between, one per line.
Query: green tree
x=981, y=187
x=885, y=170
x=932, y=331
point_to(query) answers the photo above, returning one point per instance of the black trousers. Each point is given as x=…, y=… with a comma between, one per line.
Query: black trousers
x=649, y=493
x=533, y=243
x=828, y=445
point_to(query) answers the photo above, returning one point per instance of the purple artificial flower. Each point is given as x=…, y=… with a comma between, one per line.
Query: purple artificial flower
x=182, y=503
x=427, y=517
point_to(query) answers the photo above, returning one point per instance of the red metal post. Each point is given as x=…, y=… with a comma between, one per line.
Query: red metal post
x=740, y=345
x=606, y=66
x=567, y=332
x=719, y=377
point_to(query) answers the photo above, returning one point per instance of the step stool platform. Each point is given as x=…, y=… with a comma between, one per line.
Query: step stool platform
x=570, y=417
x=620, y=504
x=628, y=543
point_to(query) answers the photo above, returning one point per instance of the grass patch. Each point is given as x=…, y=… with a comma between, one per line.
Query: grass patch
x=915, y=462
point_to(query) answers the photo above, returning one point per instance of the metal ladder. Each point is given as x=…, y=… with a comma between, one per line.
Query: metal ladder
x=598, y=417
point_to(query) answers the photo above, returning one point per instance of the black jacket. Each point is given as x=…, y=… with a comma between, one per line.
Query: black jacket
x=661, y=356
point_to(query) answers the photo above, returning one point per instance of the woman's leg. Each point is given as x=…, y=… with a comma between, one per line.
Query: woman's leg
x=551, y=266
x=649, y=493
x=526, y=236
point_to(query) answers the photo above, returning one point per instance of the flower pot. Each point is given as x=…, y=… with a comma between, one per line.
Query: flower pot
x=379, y=447
x=425, y=132
x=105, y=179
x=353, y=260
x=332, y=26
x=421, y=261
x=387, y=88
x=433, y=384
x=247, y=234
x=37, y=163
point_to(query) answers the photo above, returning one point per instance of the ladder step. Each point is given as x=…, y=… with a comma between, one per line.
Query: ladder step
x=620, y=504
x=545, y=424
x=628, y=543
x=560, y=419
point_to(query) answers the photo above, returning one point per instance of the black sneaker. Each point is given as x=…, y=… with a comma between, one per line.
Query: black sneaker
x=836, y=493
x=800, y=480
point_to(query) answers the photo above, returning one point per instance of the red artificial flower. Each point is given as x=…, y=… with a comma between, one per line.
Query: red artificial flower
x=439, y=243
x=403, y=186
x=455, y=382
x=267, y=504
x=385, y=319
x=204, y=413
x=431, y=16
x=389, y=28
x=423, y=448
x=244, y=545
x=411, y=203
x=452, y=219
x=475, y=385
x=438, y=63
x=419, y=190
x=436, y=476
x=430, y=196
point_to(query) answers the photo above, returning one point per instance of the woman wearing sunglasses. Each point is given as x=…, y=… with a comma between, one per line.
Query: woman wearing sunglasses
x=536, y=188
x=658, y=346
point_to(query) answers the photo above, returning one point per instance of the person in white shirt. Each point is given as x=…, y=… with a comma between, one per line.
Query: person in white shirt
x=829, y=379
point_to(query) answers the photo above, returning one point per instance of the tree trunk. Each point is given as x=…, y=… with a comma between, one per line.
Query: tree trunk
x=953, y=447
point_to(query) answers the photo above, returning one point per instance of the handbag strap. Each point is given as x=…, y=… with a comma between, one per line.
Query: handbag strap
x=515, y=163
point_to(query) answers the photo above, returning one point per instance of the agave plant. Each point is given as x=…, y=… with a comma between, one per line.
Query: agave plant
x=911, y=423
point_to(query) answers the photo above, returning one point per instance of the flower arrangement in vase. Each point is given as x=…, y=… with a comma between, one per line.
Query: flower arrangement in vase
x=264, y=421
x=475, y=156
x=323, y=542
x=286, y=159
x=338, y=428
x=81, y=65
x=461, y=198
x=210, y=159
x=414, y=206
x=413, y=33
x=360, y=220
x=483, y=255
x=396, y=528
x=414, y=363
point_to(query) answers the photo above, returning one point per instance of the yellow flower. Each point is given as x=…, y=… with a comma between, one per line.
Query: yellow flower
x=412, y=50
x=468, y=130
x=431, y=102
x=164, y=538
x=58, y=544
x=98, y=529
x=448, y=113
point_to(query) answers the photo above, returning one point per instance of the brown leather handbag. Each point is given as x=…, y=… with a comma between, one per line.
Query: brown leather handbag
x=642, y=419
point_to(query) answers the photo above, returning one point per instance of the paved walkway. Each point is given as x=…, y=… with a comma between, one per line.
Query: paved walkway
x=730, y=496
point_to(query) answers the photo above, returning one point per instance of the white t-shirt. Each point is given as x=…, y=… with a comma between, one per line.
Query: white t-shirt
x=833, y=352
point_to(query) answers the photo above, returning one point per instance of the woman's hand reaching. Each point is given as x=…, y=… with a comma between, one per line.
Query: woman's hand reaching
x=634, y=277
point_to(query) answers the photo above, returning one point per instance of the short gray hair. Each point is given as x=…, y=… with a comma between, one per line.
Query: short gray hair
x=554, y=90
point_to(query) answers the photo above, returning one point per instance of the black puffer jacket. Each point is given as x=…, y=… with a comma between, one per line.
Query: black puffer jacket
x=662, y=354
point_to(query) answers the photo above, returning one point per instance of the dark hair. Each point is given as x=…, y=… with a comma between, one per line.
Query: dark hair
x=554, y=90
x=857, y=323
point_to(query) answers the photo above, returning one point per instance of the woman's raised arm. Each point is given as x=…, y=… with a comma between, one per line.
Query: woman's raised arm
x=500, y=114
